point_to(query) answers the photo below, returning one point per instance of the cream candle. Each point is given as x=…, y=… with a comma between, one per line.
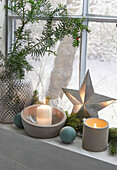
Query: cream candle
x=95, y=134
x=44, y=115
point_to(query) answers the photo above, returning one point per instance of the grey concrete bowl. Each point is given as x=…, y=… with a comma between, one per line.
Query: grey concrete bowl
x=33, y=129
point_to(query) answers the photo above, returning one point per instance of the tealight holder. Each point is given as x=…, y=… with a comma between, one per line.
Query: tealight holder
x=95, y=134
x=34, y=129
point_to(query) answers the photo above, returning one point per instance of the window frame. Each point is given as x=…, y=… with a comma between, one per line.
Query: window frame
x=11, y=26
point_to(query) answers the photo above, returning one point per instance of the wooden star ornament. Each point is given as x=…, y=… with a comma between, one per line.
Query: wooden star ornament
x=87, y=103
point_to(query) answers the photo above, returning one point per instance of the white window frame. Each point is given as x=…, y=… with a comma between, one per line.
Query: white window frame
x=83, y=46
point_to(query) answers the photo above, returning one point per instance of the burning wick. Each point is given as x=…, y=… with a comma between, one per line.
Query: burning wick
x=95, y=126
x=44, y=100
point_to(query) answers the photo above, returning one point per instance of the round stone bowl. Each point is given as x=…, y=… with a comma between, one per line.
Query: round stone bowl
x=28, y=116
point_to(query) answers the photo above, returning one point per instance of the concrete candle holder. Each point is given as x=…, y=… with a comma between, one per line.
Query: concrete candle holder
x=95, y=134
x=31, y=126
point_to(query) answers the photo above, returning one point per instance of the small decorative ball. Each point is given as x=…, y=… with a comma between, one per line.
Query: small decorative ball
x=18, y=121
x=67, y=134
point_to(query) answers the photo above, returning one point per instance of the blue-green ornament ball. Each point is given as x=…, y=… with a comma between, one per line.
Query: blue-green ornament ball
x=18, y=121
x=67, y=134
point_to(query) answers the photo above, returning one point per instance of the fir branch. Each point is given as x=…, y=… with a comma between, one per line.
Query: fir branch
x=113, y=146
x=112, y=133
x=113, y=141
x=28, y=12
x=75, y=122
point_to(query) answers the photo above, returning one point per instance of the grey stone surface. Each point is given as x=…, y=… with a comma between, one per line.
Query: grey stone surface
x=19, y=152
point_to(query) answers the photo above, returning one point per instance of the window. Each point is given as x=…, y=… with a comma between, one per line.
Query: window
x=103, y=7
x=2, y=23
x=102, y=53
x=97, y=53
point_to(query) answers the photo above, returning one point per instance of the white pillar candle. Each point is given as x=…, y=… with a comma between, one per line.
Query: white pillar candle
x=44, y=115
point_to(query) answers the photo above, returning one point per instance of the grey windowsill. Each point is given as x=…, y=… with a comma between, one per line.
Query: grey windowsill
x=76, y=146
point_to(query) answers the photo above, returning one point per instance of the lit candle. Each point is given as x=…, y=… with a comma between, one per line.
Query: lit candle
x=44, y=115
x=95, y=126
x=95, y=134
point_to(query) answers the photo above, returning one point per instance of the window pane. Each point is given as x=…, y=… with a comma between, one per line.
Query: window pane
x=51, y=73
x=2, y=24
x=102, y=63
x=74, y=7
x=103, y=7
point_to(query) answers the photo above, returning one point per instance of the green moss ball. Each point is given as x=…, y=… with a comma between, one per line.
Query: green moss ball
x=18, y=121
x=67, y=134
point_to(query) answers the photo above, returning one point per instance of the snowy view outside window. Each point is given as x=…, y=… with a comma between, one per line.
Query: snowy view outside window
x=51, y=73
x=102, y=63
x=103, y=7
x=2, y=25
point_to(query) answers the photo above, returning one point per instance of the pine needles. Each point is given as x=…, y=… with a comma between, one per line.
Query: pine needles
x=75, y=122
x=113, y=141
x=29, y=11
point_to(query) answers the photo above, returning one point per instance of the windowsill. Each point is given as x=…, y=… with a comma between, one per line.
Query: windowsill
x=76, y=146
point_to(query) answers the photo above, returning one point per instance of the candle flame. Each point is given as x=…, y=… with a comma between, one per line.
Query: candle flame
x=44, y=100
x=95, y=126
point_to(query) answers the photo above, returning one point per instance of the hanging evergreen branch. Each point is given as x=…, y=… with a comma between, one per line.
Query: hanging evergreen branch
x=29, y=11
